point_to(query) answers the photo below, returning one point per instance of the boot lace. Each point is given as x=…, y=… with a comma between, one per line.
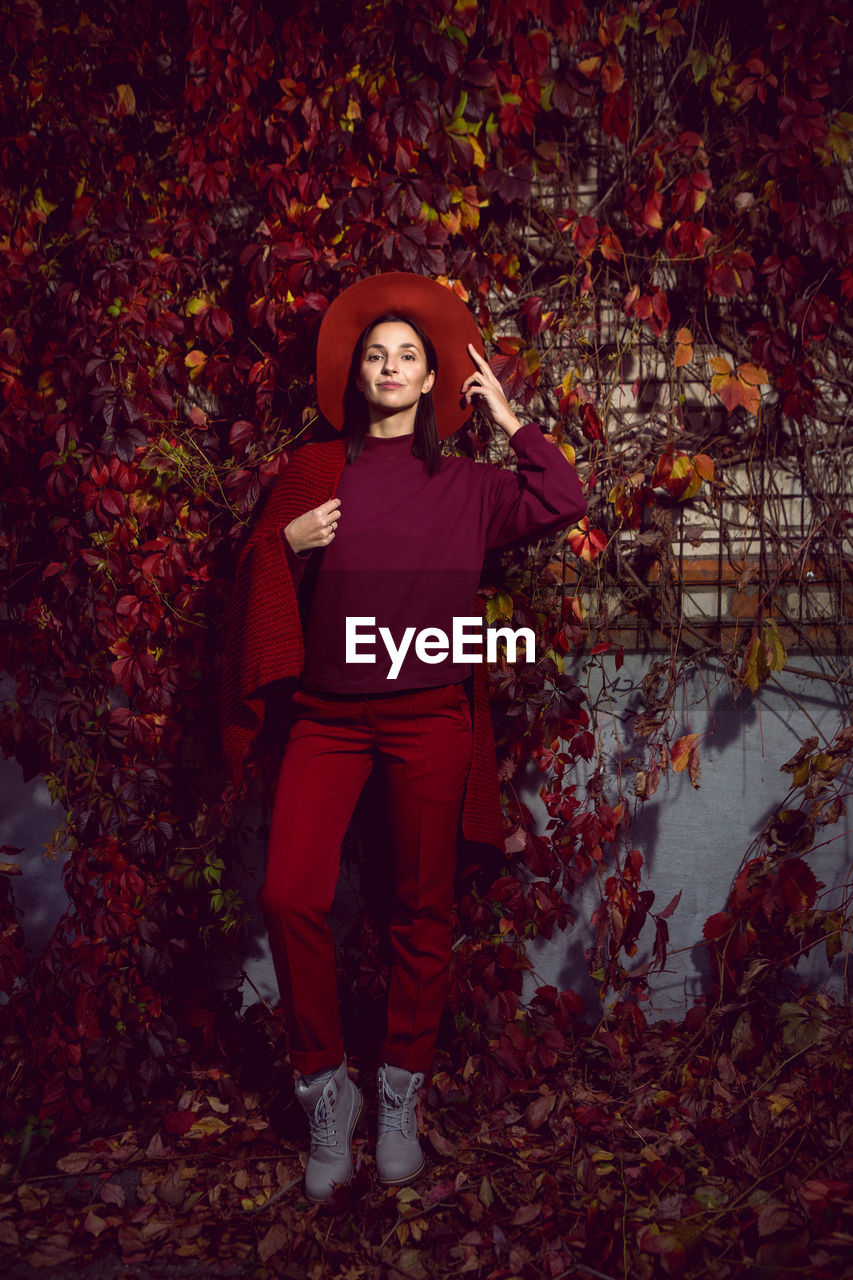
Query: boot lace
x=322, y=1124
x=396, y=1112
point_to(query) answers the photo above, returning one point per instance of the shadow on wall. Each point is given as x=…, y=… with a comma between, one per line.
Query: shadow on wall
x=28, y=819
x=694, y=839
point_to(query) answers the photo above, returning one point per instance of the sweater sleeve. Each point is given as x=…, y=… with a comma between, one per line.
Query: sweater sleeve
x=543, y=495
x=297, y=561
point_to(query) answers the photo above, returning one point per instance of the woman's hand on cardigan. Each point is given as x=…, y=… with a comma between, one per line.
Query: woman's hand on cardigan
x=489, y=394
x=316, y=528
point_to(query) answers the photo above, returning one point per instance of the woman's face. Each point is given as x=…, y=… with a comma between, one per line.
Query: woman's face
x=393, y=373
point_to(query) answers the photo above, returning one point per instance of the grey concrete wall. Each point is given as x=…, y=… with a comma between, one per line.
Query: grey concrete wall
x=28, y=819
x=691, y=840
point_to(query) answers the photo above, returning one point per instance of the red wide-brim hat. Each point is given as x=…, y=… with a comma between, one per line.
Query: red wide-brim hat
x=434, y=307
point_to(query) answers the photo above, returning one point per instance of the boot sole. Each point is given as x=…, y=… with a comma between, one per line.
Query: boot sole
x=328, y=1199
x=401, y=1182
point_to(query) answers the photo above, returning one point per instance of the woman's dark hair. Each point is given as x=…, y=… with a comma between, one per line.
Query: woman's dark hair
x=425, y=444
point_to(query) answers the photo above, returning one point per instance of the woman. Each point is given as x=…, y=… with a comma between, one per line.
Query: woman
x=393, y=536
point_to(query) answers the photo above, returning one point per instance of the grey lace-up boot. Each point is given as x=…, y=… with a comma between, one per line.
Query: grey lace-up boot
x=398, y=1153
x=333, y=1106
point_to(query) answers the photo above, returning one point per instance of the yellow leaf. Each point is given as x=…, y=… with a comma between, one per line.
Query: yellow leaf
x=207, y=1125
x=693, y=486
x=840, y=135
x=42, y=203
x=680, y=752
x=776, y=655
x=681, y=466
x=568, y=451
x=720, y=366
x=778, y=1102
x=408, y=1195
x=754, y=670
x=126, y=100
x=479, y=153
x=589, y=66
x=801, y=777
x=499, y=607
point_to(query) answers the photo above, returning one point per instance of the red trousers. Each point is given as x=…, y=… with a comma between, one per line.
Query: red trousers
x=423, y=739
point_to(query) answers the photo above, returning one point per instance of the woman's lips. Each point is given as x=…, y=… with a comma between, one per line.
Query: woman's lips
x=389, y=386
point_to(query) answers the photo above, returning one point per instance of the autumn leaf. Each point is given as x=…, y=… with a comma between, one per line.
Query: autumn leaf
x=74, y=1162
x=585, y=541
x=704, y=466
x=93, y=1223
x=612, y=75
x=195, y=361
x=499, y=607
x=683, y=347
x=589, y=66
x=652, y=215
x=670, y=907
x=273, y=1241
x=765, y=653
x=539, y=1110
x=527, y=1213
x=664, y=26
x=126, y=100
x=441, y=1145
x=684, y=754
x=740, y=386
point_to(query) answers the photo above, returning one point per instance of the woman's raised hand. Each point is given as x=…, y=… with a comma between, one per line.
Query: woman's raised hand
x=316, y=528
x=489, y=393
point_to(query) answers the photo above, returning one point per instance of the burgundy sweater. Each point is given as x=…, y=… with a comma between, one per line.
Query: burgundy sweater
x=409, y=551
x=265, y=644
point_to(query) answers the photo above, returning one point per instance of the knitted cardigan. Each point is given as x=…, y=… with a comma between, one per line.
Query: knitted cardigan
x=265, y=644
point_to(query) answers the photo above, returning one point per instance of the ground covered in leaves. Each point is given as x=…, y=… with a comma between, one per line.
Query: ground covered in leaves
x=720, y=1147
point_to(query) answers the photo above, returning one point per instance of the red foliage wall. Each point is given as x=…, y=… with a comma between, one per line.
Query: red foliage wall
x=183, y=192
